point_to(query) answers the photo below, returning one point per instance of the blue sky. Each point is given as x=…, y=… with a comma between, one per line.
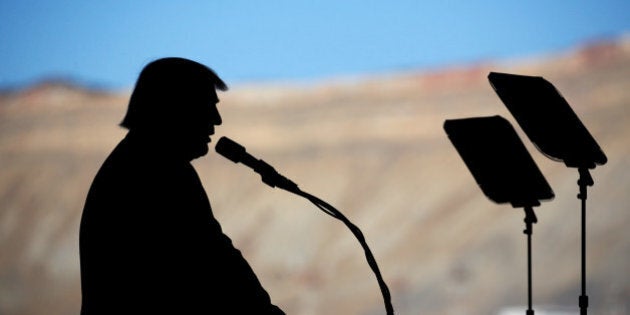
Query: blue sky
x=106, y=43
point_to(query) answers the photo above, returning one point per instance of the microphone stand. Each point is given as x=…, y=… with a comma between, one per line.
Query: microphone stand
x=237, y=154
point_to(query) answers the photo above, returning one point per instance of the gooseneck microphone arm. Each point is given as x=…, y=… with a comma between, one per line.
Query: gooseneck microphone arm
x=237, y=154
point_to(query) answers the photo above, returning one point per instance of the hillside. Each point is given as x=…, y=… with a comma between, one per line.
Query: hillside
x=373, y=147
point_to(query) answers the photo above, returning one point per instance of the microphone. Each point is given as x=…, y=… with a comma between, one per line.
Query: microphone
x=237, y=154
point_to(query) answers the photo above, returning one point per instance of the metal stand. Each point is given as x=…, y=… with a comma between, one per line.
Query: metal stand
x=584, y=181
x=530, y=218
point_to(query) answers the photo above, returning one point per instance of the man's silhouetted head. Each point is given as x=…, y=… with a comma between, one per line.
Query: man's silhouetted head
x=175, y=100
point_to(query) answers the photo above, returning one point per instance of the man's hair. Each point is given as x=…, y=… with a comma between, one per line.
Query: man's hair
x=165, y=91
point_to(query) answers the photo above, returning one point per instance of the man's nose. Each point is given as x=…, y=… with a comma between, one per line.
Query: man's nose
x=217, y=120
x=215, y=117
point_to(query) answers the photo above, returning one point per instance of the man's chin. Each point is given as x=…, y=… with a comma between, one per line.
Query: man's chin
x=199, y=152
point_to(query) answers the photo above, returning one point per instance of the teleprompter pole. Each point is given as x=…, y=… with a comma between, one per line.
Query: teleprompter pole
x=584, y=181
x=530, y=218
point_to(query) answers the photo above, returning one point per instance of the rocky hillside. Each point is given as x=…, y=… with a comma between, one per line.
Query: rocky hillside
x=374, y=147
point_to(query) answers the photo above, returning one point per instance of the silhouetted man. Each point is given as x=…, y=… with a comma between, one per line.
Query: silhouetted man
x=149, y=242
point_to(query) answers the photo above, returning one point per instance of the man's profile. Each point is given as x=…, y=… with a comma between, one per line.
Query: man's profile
x=149, y=242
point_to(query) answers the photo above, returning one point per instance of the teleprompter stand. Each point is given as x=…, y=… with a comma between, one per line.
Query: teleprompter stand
x=584, y=181
x=530, y=218
x=503, y=169
x=557, y=132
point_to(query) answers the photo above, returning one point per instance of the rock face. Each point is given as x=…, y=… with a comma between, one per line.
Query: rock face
x=373, y=147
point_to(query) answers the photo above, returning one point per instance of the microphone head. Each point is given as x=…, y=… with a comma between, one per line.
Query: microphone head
x=230, y=149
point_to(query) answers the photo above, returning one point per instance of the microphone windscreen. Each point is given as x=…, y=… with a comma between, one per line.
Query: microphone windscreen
x=230, y=149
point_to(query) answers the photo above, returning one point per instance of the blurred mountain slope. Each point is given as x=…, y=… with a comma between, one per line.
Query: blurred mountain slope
x=373, y=147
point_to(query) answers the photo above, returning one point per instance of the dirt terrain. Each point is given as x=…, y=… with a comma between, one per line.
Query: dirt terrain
x=372, y=146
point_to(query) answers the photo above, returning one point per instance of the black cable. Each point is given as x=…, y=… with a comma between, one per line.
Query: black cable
x=332, y=211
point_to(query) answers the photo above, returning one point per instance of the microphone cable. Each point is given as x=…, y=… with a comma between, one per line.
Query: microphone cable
x=333, y=212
